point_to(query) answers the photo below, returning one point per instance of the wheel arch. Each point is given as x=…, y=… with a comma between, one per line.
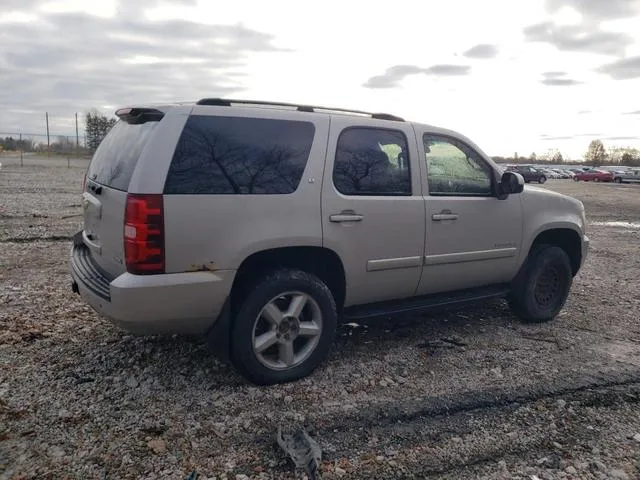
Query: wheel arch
x=319, y=261
x=564, y=237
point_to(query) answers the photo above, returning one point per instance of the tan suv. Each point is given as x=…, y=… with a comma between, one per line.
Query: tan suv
x=262, y=225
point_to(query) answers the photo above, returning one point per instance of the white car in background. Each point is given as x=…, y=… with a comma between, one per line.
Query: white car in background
x=563, y=173
x=550, y=173
x=628, y=176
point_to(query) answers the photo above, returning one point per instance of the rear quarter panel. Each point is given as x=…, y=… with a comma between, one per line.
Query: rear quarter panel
x=220, y=231
x=153, y=165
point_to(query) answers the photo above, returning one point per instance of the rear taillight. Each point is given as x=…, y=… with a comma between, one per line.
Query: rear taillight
x=144, y=234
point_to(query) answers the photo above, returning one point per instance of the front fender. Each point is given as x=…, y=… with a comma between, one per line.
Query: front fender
x=544, y=211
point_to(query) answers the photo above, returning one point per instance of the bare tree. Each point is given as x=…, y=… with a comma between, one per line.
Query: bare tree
x=97, y=127
x=596, y=154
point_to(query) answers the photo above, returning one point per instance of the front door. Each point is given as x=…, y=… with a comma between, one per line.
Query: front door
x=372, y=208
x=472, y=238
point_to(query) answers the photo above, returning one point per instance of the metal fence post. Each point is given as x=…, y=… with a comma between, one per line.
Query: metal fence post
x=21, y=161
x=48, y=142
x=77, y=138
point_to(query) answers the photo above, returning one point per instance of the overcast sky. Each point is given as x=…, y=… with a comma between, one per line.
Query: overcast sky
x=513, y=75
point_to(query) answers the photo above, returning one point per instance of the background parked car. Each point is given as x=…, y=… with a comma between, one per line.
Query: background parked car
x=594, y=175
x=628, y=176
x=529, y=173
x=565, y=174
x=548, y=173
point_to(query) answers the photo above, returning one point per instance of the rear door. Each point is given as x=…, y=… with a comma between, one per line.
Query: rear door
x=372, y=208
x=105, y=193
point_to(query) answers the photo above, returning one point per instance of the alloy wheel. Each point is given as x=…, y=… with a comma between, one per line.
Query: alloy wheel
x=287, y=330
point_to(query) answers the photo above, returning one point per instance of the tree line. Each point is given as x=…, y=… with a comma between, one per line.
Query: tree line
x=98, y=125
x=96, y=128
x=58, y=144
x=596, y=155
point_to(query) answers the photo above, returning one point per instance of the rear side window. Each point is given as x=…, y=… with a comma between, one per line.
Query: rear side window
x=236, y=155
x=372, y=161
x=117, y=155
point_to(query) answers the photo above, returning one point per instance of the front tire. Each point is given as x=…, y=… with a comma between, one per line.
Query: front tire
x=542, y=179
x=617, y=180
x=541, y=288
x=284, y=327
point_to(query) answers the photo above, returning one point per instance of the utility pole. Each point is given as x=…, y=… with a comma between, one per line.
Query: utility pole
x=77, y=138
x=48, y=143
x=21, y=162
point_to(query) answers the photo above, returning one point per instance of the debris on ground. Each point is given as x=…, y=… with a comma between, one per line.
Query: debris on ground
x=303, y=450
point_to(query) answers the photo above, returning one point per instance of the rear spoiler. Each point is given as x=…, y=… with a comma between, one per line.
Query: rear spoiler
x=136, y=116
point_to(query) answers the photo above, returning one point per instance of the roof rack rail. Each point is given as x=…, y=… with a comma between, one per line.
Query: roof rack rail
x=226, y=102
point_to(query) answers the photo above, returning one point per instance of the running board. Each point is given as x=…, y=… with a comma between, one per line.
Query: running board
x=423, y=303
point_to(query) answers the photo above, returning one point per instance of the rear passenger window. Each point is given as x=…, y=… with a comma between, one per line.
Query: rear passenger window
x=372, y=161
x=236, y=155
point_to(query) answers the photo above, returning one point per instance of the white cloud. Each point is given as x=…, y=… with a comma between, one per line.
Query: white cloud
x=101, y=8
x=17, y=17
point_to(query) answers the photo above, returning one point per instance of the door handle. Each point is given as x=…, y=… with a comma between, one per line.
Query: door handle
x=346, y=216
x=444, y=215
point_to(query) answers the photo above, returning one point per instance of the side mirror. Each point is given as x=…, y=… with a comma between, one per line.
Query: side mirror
x=510, y=183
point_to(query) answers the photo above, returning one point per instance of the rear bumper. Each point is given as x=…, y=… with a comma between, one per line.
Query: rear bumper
x=182, y=303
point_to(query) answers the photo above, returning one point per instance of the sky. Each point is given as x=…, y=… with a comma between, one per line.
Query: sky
x=514, y=76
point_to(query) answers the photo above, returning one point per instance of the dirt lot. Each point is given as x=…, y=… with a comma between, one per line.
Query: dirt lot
x=460, y=395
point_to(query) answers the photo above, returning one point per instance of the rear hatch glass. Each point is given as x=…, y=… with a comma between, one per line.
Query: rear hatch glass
x=105, y=194
x=116, y=157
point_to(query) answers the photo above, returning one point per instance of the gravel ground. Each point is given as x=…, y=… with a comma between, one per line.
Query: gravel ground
x=471, y=394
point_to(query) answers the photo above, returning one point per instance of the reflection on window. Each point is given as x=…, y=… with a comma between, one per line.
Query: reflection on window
x=454, y=169
x=236, y=155
x=371, y=161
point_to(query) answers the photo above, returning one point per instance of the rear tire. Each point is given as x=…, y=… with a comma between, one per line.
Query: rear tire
x=576, y=179
x=542, y=179
x=284, y=327
x=617, y=180
x=541, y=288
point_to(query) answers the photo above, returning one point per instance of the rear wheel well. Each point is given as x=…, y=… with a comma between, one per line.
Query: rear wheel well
x=321, y=262
x=565, y=238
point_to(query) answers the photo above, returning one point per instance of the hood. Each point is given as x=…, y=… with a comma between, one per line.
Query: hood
x=543, y=193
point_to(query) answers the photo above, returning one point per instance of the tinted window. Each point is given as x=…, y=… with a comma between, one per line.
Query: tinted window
x=117, y=155
x=454, y=169
x=235, y=155
x=371, y=161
